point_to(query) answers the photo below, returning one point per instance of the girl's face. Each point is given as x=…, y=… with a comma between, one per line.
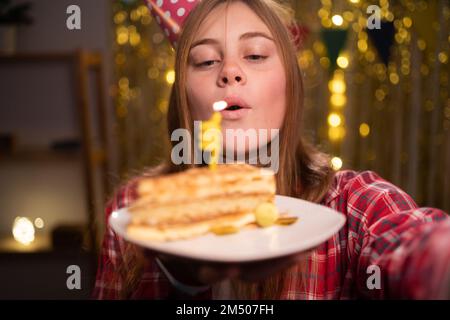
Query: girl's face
x=234, y=58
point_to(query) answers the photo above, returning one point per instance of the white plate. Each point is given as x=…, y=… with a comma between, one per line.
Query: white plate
x=315, y=225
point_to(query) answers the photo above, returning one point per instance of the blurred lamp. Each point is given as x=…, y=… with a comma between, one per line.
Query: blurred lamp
x=39, y=223
x=23, y=230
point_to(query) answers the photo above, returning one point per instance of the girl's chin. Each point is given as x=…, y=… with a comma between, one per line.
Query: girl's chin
x=240, y=144
x=244, y=139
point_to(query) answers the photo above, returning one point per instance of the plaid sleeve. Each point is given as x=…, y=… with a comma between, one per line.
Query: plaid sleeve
x=398, y=250
x=108, y=283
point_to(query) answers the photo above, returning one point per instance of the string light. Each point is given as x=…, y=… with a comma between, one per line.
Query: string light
x=407, y=22
x=421, y=44
x=348, y=16
x=122, y=35
x=338, y=100
x=380, y=94
x=370, y=56
x=337, y=85
x=120, y=17
x=124, y=82
x=135, y=15
x=170, y=76
x=153, y=73
x=364, y=129
x=334, y=119
x=336, y=163
x=394, y=78
x=336, y=134
x=337, y=20
x=342, y=62
x=135, y=39
x=362, y=45
x=443, y=58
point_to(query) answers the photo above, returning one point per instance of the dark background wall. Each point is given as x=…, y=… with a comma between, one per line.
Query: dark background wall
x=38, y=105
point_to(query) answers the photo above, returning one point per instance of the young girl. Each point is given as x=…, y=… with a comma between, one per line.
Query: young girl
x=243, y=49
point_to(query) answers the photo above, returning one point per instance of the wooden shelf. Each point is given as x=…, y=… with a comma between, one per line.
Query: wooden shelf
x=92, y=156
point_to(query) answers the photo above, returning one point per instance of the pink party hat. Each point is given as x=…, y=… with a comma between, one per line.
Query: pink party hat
x=171, y=14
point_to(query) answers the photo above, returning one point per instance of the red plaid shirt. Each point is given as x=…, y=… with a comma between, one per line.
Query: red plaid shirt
x=384, y=228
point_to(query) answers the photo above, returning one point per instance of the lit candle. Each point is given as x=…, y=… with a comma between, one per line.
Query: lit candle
x=211, y=135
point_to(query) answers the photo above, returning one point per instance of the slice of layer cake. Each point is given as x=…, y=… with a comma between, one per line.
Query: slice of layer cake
x=191, y=203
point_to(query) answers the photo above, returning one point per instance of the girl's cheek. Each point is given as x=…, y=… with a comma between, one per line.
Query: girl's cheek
x=277, y=100
x=198, y=109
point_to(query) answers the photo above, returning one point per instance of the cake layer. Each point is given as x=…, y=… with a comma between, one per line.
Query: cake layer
x=188, y=230
x=197, y=209
x=200, y=183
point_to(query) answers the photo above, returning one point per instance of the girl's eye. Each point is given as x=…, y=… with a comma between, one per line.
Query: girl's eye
x=256, y=57
x=206, y=63
x=252, y=57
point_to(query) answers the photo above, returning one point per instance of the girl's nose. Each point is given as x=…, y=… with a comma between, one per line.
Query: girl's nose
x=231, y=74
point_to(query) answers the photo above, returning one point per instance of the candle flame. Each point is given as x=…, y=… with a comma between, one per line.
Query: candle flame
x=220, y=105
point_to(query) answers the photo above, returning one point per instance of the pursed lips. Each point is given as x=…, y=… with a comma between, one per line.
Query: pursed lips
x=237, y=108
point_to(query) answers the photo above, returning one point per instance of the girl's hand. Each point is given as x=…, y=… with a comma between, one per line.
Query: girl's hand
x=200, y=273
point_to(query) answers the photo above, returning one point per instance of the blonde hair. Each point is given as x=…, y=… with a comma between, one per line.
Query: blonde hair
x=304, y=171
